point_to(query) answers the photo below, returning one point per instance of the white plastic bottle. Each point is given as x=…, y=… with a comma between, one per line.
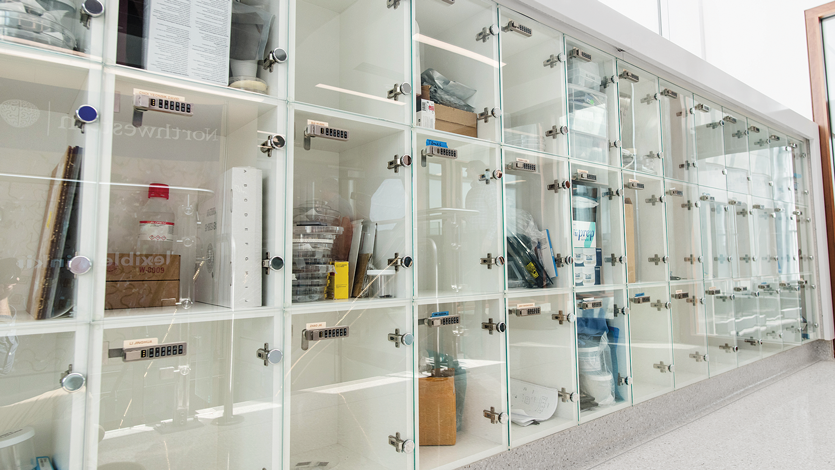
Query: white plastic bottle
x=156, y=222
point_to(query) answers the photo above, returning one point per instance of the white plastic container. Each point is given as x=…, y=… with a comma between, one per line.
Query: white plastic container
x=599, y=385
x=589, y=359
x=17, y=451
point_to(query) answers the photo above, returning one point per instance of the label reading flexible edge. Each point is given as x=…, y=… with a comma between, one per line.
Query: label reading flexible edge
x=436, y=143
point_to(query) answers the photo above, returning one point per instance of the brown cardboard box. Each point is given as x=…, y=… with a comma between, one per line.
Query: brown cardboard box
x=437, y=411
x=141, y=294
x=141, y=281
x=460, y=122
x=629, y=224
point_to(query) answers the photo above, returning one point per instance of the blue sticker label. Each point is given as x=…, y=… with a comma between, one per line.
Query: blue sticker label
x=639, y=295
x=436, y=143
x=440, y=314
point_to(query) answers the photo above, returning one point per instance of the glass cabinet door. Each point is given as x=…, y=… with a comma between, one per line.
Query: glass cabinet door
x=640, y=120
x=716, y=242
x=597, y=226
x=759, y=155
x=710, y=151
x=770, y=315
x=462, y=409
x=459, y=216
x=602, y=352
x=786, y=237
x=350, y=386
x=354, y=56
x=721, y=326
x=47, y=190
x=539, y=250
x=43, y=387
x=591, y=84
x=810, y=320
x=805, y=239
x=742, y=254
x=782, y=167
x=678, y=133
x=651, y=342
x=236, y=44
x=193, y=183
x=533, y=80
x=765, y=232
x=686, y=259
x=692, y=354
x=802, y=172
x=54, y=27
x=645, y=228
x=791, y=310
x=750, y=324
x=544, y=397
x=456, y=63
x=190, y=395
x=351, y=214
x=735, y=133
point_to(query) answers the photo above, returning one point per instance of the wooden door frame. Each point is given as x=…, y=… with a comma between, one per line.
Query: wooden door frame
x=820, y=113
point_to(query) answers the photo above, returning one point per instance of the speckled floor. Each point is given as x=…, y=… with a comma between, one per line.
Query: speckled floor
x=789, y=424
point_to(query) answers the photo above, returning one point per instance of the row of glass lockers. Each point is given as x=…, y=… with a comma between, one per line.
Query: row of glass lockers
x=366, y=234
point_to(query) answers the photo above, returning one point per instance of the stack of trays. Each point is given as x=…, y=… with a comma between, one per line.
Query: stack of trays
x=46, y=22
x=312, y=246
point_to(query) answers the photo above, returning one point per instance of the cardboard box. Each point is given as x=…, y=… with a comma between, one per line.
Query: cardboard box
x=141, y=281
x=456, y=121
x=437, y=411
x=141, y=294
x=629, y=227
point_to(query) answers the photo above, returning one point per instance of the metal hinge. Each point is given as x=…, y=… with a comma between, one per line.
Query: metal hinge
x=405, y=339
x=614, y=259
x=627, y=380
x=688, y=164
x=488, y=113
x=664, y=368
x=660, y=305
x=273, y=263
x=553, y=60
x=277, y=56
x=494, y=416
x=398, y=261
x=268, y=355
x=655, y=200
x=555, y=131
x=490, y=326
x=404, y=446
x=273, y=142
x=404, y=161
x=729, y=349
x=567, y=396
x=563, y=317
x=487, y=32
x=399, y=89
x=561, y=260
x=658, y=259
x=619, y=310
x=699, y=357
x=490, y=261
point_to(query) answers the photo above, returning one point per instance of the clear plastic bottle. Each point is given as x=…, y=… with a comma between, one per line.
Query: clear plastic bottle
x=156, y=222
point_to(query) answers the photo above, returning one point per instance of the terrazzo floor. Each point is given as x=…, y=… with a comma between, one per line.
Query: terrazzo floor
x=789, y=424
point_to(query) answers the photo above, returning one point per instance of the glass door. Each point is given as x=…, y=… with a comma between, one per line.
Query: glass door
x=678, y=133
x=735, y=138
x=597, y=226
x=683, y=203
x=750, y=323
x=456, y=64
x=692, y=355
x=809, y=308
x=710, y=151
x=742, y=257
x=544, y=397
x=533, y=80
x=459, y=216
x=202, y=394
x=351, y=390
x=539, y=250
x=640, y=120
x=43, y=395
x=354, y=56
x=765, y=231
x=786, y=238
x=603, y=347
x=792, y=310
x=351, y=214
x=645, y=228
x=651, y=342
x=802, y=172
x=592, y=87
x=462, y=401
x=716, y=242
x=771, y=316
x=759, y=155
x=49, y=135
x=782, y=167
x=192, y=207
x=719, y=299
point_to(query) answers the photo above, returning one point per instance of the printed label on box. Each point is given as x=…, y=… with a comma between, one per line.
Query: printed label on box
x=584, y=233
x=136, y=343
x=312, y=326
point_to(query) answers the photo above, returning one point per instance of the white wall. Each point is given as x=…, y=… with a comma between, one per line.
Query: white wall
x=760, y=42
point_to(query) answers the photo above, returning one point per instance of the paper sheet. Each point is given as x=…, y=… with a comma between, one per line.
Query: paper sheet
x=531, y=403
